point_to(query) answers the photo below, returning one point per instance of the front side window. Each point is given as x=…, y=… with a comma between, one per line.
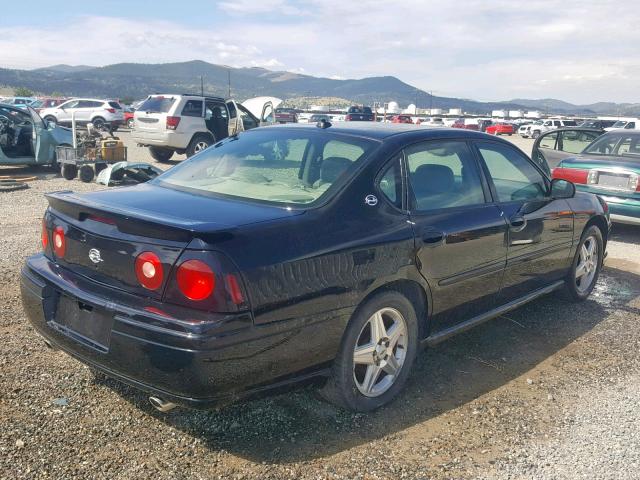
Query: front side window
x=549, y=141
x=443, y=174
x=277, y=166
x=576, y=141
x=514, y=176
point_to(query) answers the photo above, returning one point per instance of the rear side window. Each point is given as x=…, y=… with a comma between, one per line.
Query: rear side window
x=514, y=176
x=193, y=108
x=443, y=174
x=391, y=183
x=157, y=104
x=115, y=105
x=335, y=148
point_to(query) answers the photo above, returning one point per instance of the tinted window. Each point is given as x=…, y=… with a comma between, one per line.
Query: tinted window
x=391, y=183
x=157, y=104
x=94, y=104
x=442, y=175
x=514, y=176
x=115, y=105
x=613, y=144
x=247, y=119
x=576, y=142
x=193, y=108
x=549, y=141
x=278, y=166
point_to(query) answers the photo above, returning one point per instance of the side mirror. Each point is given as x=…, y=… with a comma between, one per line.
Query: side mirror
x=562, y=189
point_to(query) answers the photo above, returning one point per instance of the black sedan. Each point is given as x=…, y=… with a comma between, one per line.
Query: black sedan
x=292, y=253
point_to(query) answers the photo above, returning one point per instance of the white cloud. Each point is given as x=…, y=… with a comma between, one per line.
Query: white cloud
x=579, y=51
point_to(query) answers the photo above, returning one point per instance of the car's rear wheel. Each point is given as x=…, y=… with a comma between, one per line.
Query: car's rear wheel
x=199, y=143
x=161, y=154
x=377, y=351
x=586, y=265
x=50, y=119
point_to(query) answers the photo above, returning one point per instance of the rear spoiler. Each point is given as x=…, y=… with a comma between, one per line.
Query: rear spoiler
x=131, y=221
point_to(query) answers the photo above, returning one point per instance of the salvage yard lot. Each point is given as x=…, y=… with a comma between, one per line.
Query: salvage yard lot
x=547, y=391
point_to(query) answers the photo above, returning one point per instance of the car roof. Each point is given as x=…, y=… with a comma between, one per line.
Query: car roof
x=382, y=131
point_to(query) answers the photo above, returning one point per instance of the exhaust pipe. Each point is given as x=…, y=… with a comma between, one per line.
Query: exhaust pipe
x=161, y=405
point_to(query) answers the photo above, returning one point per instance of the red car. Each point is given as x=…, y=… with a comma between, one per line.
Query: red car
x=466, y=126
x=401, y=119
x=128, y=118
x=500, y=129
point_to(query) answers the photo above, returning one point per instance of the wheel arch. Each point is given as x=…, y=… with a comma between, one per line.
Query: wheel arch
x=207, y=133
x=600, y=222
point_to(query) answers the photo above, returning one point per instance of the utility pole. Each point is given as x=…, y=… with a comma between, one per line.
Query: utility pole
x=430, y=101
x=229, y=80
x=201, y=85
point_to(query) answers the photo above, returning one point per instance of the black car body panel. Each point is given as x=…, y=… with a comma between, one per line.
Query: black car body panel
x=304, y=271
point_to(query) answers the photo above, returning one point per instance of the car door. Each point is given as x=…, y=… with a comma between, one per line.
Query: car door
x=540, y=228
x=545, y=151
x=459, y=235
x=41, y=138
x=235, y=124
x=63, y=112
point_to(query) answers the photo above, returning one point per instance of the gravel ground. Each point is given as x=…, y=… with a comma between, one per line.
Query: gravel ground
x=548, y=391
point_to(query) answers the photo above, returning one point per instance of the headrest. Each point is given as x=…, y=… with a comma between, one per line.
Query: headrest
x=332, y=167
x=433, y=179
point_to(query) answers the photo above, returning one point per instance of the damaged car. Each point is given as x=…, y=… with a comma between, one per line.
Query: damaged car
x=26, y=140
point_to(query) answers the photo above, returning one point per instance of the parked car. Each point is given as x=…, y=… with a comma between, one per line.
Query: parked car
x=129, y=120
x=359, y=114
x=609, y=167
x=43, y=103
x=20, y=102
x=539, y=127
x=602, y=124
x=181, y=286
x=319, y=117
x=191, y=123
x=101, y=113
x=26, y=140
x=500, y=129
x=401, y=119
x=624, y=124
x=551, y=147
x=286, y=115
x=462, y=123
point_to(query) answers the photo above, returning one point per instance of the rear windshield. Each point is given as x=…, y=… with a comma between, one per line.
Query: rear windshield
x=115, y=105
x=359, y=110
x=570, y=123
x=296, y=167
x=157, y=104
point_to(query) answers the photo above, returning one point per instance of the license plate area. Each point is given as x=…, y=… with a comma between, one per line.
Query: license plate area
x=612, y=180
x=85, y=323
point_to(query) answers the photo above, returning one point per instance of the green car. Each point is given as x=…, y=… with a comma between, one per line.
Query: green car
x=609, y=167
x=26, y=140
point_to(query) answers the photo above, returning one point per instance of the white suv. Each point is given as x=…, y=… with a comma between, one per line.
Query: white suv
x=541, y=126
x=190, y=123
x=102, y=113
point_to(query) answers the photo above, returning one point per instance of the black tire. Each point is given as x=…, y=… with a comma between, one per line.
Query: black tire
x=69, y=172
x=161, y=154
x=99, y=167
x=50, y=119
x=99, y=123
x=572, y=290
x=341, y=389
x=199, y=142
x=87, y=173
x=535, y=134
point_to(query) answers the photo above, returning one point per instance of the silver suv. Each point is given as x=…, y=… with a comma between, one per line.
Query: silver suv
x=190, y=123
x=101, y=113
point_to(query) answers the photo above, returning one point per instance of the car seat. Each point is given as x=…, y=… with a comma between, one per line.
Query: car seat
x=434, y=187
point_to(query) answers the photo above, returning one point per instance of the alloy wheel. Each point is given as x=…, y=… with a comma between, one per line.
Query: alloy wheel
x=200, y=146
x=587, y=264
x=380, y=352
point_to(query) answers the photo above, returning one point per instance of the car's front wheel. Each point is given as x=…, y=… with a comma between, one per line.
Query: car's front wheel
x=586, y=265
x=377, y=351
x=161, y=154
x=535, y=134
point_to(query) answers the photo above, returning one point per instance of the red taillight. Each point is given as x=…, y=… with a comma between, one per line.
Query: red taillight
x=59, y=242
x=44, y=235
x=149, y=270
x=347, y=118
x=172, y=123
x=574, y=175
x=111, y=110
x=97, y=218
x=195, y=280
x=233, y=287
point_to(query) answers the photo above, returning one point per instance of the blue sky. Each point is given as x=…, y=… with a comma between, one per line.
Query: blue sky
x=581, y=51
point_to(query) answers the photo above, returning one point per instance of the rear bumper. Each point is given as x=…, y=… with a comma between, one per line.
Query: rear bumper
x=192, y=363
x=166, y=138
